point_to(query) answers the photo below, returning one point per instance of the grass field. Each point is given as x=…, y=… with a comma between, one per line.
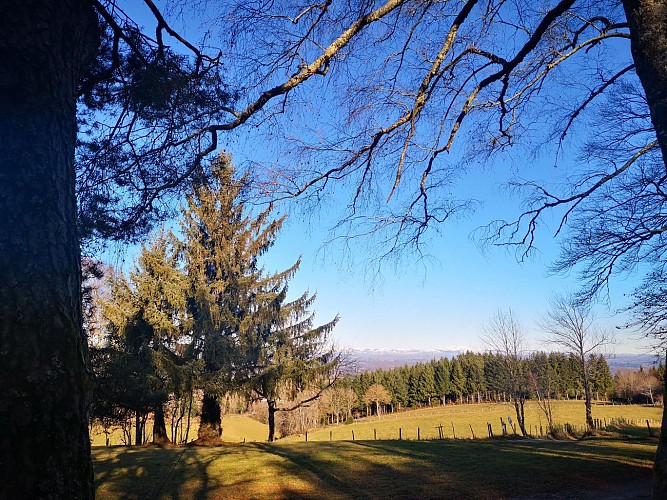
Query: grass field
x=236, y=428
x=616, y=465
x=489, y=469
x=458, y=420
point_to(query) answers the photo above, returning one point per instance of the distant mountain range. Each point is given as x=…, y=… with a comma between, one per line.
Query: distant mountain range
x=373, y=359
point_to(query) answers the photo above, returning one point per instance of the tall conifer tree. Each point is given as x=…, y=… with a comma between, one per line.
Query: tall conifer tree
x=146, y=318
x=287, y=355
x=229, y=294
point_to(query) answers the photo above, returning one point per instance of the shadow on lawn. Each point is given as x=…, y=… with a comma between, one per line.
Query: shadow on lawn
x=149, y=472
x=467, y=469
x=375, y=469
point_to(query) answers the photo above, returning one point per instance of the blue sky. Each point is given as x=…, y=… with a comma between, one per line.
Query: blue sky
x=439, y=303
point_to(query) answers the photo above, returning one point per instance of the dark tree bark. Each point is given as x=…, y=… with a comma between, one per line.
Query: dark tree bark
x=210, y=425
x=272, y=420
x=160, y=435
x=648, y=30
x=44, y=443
x=660, y=465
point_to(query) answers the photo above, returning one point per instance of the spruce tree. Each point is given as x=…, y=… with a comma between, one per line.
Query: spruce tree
x=146, y=319
x=285, y=354
x=245, y=332
x=221, y=247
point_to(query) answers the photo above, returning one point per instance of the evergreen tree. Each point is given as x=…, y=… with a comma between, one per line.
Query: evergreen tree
x=425, y=389
x=602, y=382
x=458, y=379
x=442, y=378
x=221, y=247
x=146, y=318
x=285, y=354
x=244, y=330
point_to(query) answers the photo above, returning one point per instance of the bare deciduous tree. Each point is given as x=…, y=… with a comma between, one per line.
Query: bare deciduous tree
x=504, y=335
x=379, y=395
x=570, y=326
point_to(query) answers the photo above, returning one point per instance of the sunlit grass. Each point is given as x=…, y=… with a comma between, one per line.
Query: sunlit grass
x=458, y=420
x=373, y=469
x=235, y=429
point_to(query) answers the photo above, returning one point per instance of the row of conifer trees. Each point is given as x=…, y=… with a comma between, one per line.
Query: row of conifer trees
x=473, y=377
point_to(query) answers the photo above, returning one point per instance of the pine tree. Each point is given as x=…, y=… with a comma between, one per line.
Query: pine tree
x=425, y=384
x=244, y=330
x=458, y=379
x=442, y=379
x=221, y=247
x=146, y=318
x=285, y=354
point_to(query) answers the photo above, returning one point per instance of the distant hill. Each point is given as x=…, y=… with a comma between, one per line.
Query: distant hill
x=373, y=359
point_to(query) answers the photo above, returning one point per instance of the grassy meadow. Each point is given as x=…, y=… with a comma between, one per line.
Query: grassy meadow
x=489, y=469
x=236, y=428
x=455, y=419
x=617, y=464
x=458, y=420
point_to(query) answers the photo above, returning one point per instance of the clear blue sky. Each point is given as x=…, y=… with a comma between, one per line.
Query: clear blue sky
x=440, y=304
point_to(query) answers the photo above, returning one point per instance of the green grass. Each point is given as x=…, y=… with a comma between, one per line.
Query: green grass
x=235, y=428
x=374, y=469
x=458, y=420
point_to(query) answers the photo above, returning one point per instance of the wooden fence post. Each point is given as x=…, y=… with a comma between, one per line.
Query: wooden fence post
x=352, y=434
x=400, y=433
x=375, y=434
x=453, y=431
x=330, y=435
x=419, y=434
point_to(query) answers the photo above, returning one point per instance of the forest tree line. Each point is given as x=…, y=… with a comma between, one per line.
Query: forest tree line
x=474, y=378
x=464, y=379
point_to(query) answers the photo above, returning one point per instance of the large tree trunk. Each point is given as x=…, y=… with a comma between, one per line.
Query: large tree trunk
x=660, y=465
x=44, y=443
x=160, y=435
x=648, y=31
x=210, y=425
x=272, y=421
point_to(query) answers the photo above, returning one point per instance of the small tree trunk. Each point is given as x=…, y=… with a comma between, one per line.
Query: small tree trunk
x=159, y=426
x=210, y=426
x=587, y=394
x=272, y=420
x=138, y=429
x=519, y=410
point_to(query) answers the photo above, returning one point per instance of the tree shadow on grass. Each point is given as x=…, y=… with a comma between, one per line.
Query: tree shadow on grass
x=376, y=469
x=149, y=472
